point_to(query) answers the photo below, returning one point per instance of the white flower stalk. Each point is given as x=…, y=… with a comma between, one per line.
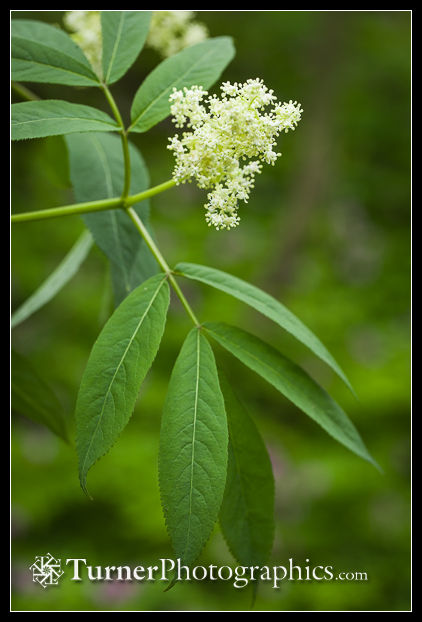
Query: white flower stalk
x=172, y=31
x=86, y=27
x=224, y=133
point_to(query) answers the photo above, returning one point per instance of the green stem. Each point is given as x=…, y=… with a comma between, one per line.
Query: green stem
x=92, y=206
x=125, y=201
x=113, y=105
x=69, y=210
x=146, y=194
x=161, y=262
x=126, y=158
x=129, y=201
x=183, y=300
x=123, y=135
x=148, y=240
x=23, y=92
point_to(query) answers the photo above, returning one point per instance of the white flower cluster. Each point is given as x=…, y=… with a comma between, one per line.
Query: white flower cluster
x=172, y=31
x=232, y=129
x=86, y=27
x=169, y=33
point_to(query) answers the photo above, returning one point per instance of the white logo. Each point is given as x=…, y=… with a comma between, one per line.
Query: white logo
x=46, y=570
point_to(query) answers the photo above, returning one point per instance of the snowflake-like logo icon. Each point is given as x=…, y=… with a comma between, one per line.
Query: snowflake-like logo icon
x=46, y=570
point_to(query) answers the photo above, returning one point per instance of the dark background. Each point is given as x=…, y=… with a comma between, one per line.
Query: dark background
x=326, y=231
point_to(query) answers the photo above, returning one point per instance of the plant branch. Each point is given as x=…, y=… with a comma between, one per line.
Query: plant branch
x=129, y=201
x=69, y=210
x=124, y=201
x=92, y=206
x=125, y=143
x=161, y=262
x=146, y=194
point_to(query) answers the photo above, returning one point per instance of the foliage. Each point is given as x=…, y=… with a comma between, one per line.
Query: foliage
x=126, y=346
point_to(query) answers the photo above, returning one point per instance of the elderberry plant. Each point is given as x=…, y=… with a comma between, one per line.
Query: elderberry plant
x=213, y=463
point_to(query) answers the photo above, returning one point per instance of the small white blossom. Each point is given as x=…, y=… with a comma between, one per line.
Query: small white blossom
x=172, y=31
x=224, y=132
x=183, y=110
x=86, y=32
x=288, y=114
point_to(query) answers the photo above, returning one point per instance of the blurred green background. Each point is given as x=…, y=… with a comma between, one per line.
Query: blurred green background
x=326, y=231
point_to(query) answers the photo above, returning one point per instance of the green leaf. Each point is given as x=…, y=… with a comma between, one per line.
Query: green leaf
x=97, y=172
x=55, y=161
x=44, y=53
x=52, y=117
x=123, y=34
x=247, y=511
x=32, y=397
x=292, y=381
x=193, y=448
x=56, y=281
x=117, y=365
x=200, y=64
x=265, y=304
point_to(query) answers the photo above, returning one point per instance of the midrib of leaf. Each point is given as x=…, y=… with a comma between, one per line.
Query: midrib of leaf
x=169, y=87
x=56, y=67
x=260, y=361
x=116, y=44
x=135, y=332
x=193, y=437
x=109, y=184
x=274, y=370
x=61, y=118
